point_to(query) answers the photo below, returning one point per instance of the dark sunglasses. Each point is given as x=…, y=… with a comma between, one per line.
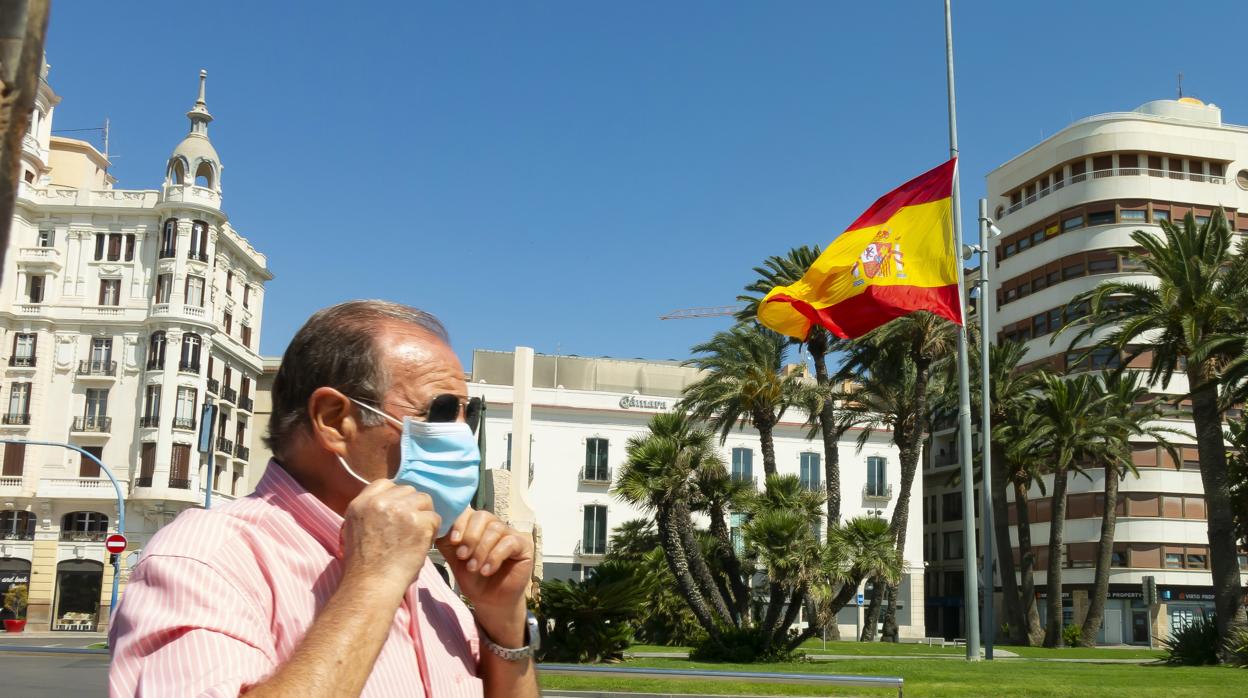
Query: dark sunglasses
x=446, y=408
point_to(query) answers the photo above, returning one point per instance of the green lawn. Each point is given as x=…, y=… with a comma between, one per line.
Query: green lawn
x=932, y=677
x=890, y=649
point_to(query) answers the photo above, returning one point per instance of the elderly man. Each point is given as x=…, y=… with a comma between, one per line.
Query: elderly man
x=320, y=583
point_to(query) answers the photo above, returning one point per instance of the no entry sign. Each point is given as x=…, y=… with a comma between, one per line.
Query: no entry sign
x=115, y=543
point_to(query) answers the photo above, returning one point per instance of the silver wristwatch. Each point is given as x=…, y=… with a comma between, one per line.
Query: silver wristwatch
x=532, y=640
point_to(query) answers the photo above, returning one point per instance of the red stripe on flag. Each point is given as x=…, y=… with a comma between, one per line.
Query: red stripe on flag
x=856, y=316
x=933, y=185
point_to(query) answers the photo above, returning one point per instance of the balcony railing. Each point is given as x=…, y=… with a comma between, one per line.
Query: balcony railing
x=10, y=482
x=242, y=452
x=156, y=364
x=870, y=491
x=184, y=423
x=246, y=404
x=179, y=483
x=229, y=395
x=197, y=256
x=225, y=445
x=592, y=550
x=214, y=386
x=167, y=253
x=18, y=535
x=150, y=421
x=596, y=476
x=19, y=418
x=84, y=536
x=97, y=368
x=752, y=481
x=143, y=481
x=22, y=361
x=189, y=366
x=1119, y=172
x=93, y=424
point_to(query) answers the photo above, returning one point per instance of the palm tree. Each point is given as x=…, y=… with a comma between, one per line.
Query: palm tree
x=746, y=380
x=632, y=541
x=1129, y=405
x=782, y=271
x=1073, y=429
x=657, y=477
x=857, y=549
x=1192, y=320
x=893, y=368
x=1022, y=469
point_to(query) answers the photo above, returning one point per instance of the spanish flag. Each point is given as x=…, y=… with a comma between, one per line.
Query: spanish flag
x=897, y=258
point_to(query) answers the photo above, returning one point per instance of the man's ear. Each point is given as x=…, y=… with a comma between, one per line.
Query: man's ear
x=332, y=419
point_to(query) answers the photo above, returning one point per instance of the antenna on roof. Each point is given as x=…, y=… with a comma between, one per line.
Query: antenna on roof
x=1180, y=85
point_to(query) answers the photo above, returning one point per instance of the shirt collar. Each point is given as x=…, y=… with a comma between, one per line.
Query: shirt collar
x=311, y=514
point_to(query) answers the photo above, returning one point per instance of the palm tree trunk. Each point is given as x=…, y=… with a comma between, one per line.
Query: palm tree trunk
x=765, y=425
x=796, y=600
x=674, y=551
x=697, y=564
x=1026, y=568
x=871, y=617
x=889, y=633
x=1223, y=556
x=1053, y=582
x=740, y=591
x=775, y=602
x=818, y=345
x=1005, y=550
x=1104, y=556
x=909, y=446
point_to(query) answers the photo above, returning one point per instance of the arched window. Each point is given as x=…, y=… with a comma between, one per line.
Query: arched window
x=156, y=350
x=204, y=175
x=169, y=239
x=17, y=525
x=84, y=526
x=191, y=345
x=199, y=241
x=177, y=171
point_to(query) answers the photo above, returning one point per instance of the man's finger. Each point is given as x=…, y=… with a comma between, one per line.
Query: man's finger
x=461, y=522
x=510, y=547
x=471, y=535
x=489, y=538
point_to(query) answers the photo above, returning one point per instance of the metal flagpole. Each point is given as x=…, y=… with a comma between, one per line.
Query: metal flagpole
x=969, y=577
x=985, y=433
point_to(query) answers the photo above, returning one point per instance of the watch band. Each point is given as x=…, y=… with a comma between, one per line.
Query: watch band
x=532, y=643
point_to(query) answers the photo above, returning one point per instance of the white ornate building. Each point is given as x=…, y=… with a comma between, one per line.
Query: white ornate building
x=122, y=313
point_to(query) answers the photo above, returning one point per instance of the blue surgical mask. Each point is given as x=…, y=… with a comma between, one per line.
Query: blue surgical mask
x=437, y=458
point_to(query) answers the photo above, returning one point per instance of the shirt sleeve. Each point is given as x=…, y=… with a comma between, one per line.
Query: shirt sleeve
x=183, y=629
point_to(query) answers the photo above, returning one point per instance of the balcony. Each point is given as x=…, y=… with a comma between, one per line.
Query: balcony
x=17, y=418
x=179, y=483
x=143, y=481
x=224, y=445
x=156, y=365
x=877, y=492
x=11, y=482
x=214, y=386
x=190, y=194
x=40, y=257
x=751, y=481
x=22, y=361
x=149, y=422
x=197, y=256
x=77, y=488
x=189, y=367
x=184, y=423
x=241, y=452
x=246, y=404
x=1119, y=172
x=167, y=253
x=92, y=425
x=596, y=476
x=594, y=551
x=97, y=369
x=84, y=536
x=229, y=395
x=28, y=534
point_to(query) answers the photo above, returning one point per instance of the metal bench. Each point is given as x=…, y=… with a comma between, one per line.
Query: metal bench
x=757, y=676
x=929, y=641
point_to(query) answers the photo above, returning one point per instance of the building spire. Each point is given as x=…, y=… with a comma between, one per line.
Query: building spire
x=198, y=114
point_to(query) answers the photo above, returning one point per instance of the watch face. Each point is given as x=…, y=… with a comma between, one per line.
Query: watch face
x=535, y=636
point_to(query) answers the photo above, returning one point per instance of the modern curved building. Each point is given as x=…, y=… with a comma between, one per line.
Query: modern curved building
x=1066, y=207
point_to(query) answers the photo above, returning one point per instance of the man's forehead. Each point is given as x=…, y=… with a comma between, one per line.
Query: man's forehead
x=414, y=357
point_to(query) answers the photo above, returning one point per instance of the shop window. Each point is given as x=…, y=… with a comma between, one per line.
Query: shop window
x=1101, y=218
x=1133, y=216
x=1072, y=223
x=78, y=584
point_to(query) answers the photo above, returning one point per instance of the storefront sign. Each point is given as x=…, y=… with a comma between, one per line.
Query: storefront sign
x=630, y=402
x=8, y=579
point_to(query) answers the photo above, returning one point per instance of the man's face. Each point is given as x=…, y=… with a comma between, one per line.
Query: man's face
x=420, y=367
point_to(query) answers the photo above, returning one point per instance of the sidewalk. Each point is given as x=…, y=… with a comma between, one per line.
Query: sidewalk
x=48, y=638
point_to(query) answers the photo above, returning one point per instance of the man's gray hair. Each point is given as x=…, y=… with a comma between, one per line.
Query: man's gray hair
x=335, y=348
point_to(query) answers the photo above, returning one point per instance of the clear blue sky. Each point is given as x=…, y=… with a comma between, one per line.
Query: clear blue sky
x=559, y=174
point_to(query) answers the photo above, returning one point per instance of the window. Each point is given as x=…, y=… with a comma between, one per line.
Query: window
x=34, y=288
x=169, y=239
x=1128, y=215
x=88, y=467
x=1040, y=324
x=743, y=464
x=19, y=404
x=147, y=464
x=1174, y=561
x=164, y=288
x=151, y=406
x=184, y=409
x=1101, y=218
x=246, y=295
x=1197, y=561
x=101, y=352
x=24, y=349
x=195, y=291
x=14, y=459
x=1102, y=266
x=594, y=538
x=47, y=238
x=1119, y=557
x=596, y=450
x=876, y=486
x=1072, y=223
x=244, y=388
x=96, y=408
x=84, y=526
x=1160, y=215
x=199, y=241
x=110, y=246
x=246, y=336
x=953, y=545
x=17, y=525
x=1073, y=270
x=156, y=350
x=191, y=345
x=951, y=506
x=240, y=433
x=229, y=283
x=130, y=247
x=110, y=291
x=100, y=241
x=180, y=467
x=228, y=320
x=808, y=464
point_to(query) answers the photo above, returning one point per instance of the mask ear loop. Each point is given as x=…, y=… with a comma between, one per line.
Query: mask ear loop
x=353, y=474
x=343, y=461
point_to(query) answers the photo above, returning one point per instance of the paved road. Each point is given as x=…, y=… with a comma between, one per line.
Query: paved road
x=54, y=675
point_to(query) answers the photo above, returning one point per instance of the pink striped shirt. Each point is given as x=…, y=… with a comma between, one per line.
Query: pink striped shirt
x=221, y=598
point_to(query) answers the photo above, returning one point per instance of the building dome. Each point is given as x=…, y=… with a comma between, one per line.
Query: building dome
x=194, y=160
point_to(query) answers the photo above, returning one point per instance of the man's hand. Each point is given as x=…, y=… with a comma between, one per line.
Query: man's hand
x=386, y=535
x=493, y=564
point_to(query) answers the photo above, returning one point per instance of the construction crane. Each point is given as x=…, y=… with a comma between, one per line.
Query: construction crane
x=705, y=311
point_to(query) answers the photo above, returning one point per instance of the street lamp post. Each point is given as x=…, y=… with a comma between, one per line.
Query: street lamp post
x=121, y=507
